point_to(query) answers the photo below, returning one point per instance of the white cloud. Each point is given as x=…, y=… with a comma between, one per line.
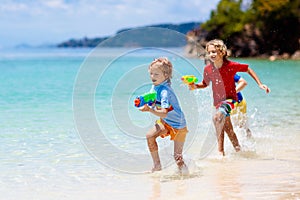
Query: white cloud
x=58, y=20
x=57, y=4
x=13, y=7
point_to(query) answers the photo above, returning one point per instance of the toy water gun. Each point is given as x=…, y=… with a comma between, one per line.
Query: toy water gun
x=147, y=98
x=189, y=79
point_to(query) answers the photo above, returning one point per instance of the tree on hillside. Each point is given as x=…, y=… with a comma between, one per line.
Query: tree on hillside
x=226, y=20
x=264, y=27
x=279, y=22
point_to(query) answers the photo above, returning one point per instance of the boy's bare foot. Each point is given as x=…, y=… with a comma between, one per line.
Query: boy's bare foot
x=156, y=168
x=237, y=148
x=179, y=162
x=183, y=170
x=221, y=153
x=248, y=133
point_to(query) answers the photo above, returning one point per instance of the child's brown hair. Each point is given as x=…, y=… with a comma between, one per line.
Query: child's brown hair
x=165, y=65
x=219, y=45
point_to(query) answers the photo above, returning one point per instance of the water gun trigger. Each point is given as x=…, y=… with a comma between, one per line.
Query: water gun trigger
x=150, y=103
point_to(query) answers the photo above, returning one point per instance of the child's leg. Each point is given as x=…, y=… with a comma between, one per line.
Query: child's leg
x=244, y=118
x=151, y=136
x=221, y=143
x=248, y=132
x=178, y=148
x=219, y=120
x=246, y=126
x=231, y=134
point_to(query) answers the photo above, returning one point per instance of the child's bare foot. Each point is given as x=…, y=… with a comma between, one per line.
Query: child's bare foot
x=237, y=148
x=179, y=163
x=221, y=153
x=248, y=133
x=183, y=170
x=156, y=168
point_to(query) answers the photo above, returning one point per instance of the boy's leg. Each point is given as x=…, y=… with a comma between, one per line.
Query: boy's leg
x=231, y=134
x=221, y=143
x=179, y=136
x=178, y=148
x=246, y=126
x=248, y=132
x=219, y=120
x=151, y=136
x=243, y=116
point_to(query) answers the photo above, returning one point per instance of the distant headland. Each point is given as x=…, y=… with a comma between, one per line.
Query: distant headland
x=140, y=37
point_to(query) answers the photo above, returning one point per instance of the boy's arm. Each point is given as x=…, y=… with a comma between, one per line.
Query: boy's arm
x=197, y=86
x=242, y=83
x=255, y=77
x=162, y=113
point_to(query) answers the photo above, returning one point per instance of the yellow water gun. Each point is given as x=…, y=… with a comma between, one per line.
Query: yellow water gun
x=189, y=79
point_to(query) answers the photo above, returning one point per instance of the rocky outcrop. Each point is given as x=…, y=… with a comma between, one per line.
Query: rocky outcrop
x=195, y=43
x=296, y=55
x=249, y=43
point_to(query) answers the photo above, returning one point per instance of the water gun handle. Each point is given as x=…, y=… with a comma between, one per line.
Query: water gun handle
x=189, y=79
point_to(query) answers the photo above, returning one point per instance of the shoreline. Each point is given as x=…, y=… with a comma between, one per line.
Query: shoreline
x=192, y=50
x=222, y=178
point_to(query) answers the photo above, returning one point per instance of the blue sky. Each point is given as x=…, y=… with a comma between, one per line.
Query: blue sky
x=38, y=22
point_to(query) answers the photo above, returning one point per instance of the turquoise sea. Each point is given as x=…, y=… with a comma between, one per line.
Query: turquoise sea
x=69, y=129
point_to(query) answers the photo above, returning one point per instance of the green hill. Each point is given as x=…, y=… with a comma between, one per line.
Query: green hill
x=161, y=35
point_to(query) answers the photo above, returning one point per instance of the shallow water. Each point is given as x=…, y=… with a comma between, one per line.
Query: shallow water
x=63, y=140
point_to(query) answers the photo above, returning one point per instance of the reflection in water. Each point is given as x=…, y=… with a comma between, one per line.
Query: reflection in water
x=156, y=190
x=227, y=181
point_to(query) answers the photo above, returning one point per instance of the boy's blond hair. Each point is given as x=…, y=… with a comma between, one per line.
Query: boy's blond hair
x=219, y=45
x=165, y=65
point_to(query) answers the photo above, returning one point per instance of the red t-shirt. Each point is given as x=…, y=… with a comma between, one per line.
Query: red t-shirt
x=222, y=79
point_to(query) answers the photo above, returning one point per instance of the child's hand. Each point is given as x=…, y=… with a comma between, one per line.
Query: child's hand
x=145, y=108
x=264, y=87
x=192, y=86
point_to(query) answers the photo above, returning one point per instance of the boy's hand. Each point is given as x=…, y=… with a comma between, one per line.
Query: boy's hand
x=192, y=86
x=264, y=87
x=145, y=108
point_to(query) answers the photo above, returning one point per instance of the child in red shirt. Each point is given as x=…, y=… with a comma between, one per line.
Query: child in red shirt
x=220, y=72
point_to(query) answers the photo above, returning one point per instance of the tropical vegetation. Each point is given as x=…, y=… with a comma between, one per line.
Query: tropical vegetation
x=256, y=27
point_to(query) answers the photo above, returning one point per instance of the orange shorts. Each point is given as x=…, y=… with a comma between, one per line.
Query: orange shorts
x=175, y=134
